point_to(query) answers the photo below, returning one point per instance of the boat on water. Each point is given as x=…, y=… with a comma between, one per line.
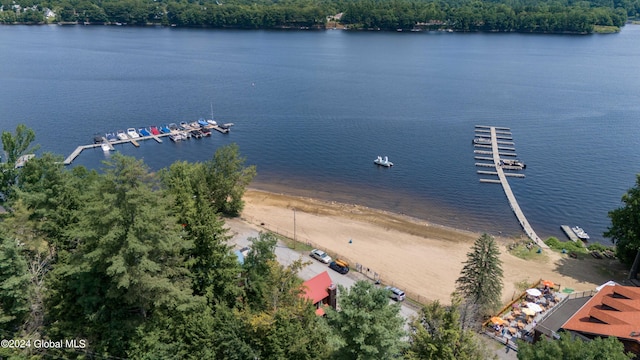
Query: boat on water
x=121, y=135
x=205, y=131
x=196, y=134
x=383, y=162
x=97, y=139
x=111, y=137
x=144, y=132
x=211, y=121
x=513, y=162
x=105, y=147
x=173, y=127
x=154, y=130
x=184, y=125
x=176, y=136
x=195, y=125
x=132, y=133
x=482, y=141
x=203, y=122
x=580, y=233
x=165, y=129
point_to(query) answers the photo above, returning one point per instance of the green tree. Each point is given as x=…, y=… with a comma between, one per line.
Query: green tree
x=256, y=269
x=367, y=325
x=625, y=229
x=127, y=265
x=227, y=179
x=14, y=287
x=480, y=281
x=568, y=348
x=14, y=146
x=437, y=334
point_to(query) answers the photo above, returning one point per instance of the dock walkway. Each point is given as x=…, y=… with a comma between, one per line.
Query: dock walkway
x=524, y=223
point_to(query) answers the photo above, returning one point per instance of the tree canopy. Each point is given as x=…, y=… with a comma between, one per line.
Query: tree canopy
x=542, y=16
x=625, y=229
x=570, y=348
x=480, y=281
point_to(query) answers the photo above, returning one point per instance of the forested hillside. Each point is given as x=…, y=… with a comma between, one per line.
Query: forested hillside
x=546, y=16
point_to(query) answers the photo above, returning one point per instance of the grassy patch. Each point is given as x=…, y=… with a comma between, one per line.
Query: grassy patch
x=598, y=29
x=294, y=245
x=527, y=252
x=565, y=246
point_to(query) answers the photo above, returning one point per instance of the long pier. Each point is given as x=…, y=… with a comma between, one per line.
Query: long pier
x=524, y=223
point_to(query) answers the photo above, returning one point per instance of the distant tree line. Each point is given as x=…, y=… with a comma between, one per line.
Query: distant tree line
x=541, y=16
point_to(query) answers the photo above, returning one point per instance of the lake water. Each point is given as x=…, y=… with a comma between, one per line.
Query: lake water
x=313, y=109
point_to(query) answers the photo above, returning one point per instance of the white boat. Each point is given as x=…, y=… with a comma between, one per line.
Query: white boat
x=105, y=147
x=122, y=135
x=580, y=233
x=383, y=162
x=482, y=140
x=133, y=133
x=211, y=121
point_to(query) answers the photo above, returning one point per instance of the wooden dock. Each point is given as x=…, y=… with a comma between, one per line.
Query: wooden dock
x=524, y=223
x=133, y=142
x=570, y=234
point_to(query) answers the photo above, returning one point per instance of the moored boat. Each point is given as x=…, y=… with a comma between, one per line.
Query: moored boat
x=383, y=162
x=132, y=133
x=580, y=233
x=203, y=122
x=121, y=135
x=155, y=131
x=111, y=137
x=184, y=125
x=173, y=127
x=513, y=162
x=206, y=131
x=144, y=132
x=195, y=125
x=482, y=140
x=105, y=147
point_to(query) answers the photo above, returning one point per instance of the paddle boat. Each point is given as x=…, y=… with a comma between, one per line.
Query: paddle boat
x=144, y=132
x=383, y=162
x=155, y=131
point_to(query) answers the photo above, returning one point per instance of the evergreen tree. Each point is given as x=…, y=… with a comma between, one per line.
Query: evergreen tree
x=367, y=325
x=480, y=281
x=437, y=334
x=625, y=229
x=14, y=146
x=14, y=288
x=127, y=265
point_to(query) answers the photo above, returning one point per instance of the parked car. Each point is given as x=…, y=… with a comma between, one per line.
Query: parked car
x=320, y=256
x=395, y=293
x=340, y=266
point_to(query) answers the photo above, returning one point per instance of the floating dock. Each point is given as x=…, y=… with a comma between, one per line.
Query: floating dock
x=222, y=129
x=502, y=178
x=570, y=234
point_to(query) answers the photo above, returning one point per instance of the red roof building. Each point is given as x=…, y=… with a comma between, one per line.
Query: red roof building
x=612, y=311
x=321, y=291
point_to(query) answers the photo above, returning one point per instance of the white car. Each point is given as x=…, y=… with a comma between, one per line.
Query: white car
x=395, y=293
x=320, y=256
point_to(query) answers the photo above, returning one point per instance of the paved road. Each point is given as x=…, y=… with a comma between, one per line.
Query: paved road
x=241, y=231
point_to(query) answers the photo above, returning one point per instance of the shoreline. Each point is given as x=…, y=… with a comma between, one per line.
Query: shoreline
x=422, y=258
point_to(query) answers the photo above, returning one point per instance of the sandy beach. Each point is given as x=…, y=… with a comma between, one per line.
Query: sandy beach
x=421, y=258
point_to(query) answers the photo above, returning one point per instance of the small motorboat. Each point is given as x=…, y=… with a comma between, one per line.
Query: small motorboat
x=196, y=133
x=206, y=131
x=195, y=125
x=144, y=132
x=580, y=233
x=184, y=125
x=97, y=139
x=111, y=137
x=482, y=140
x=122, y=135
x=212, y=122
x=105, y=147
x=383, y=162
x=155, y=131
x=173, y=127
x=132, y=133
x=203, y=122
x=175, y=137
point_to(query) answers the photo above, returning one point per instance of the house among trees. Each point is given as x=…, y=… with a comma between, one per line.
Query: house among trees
x=614, y=310
x=321, y=291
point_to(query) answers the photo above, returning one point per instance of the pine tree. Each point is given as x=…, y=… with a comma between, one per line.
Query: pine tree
x=480, y=281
